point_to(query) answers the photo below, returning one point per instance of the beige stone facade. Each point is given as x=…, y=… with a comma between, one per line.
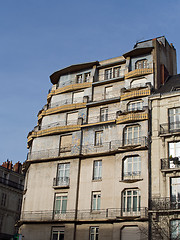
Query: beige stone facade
x=87, y=167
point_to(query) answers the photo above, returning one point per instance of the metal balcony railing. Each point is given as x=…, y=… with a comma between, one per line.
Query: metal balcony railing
x=103, y=214
x=131, y=175
x=59, y=124
x=61, y=181
x=167, y=203
x=66, y=102
x=171, y=127
x=103, y=147
x=12, y=184
x=170, y=163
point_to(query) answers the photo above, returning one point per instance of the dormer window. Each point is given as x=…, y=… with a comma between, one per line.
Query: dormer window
x=141, y=64
x=79, y=78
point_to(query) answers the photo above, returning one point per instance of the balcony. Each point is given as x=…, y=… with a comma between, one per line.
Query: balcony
x=102, y=118
x=12, y=184
x=138, y=72
x=87, y=215
x=170, y=163
x=61, y=182
x=65, y=102
x=170, y=128
x=104, y=147
x=128, y=176
x=62, y=124
x=167, y=203
x=135, y=94
x=132, y=117
x=111, y=75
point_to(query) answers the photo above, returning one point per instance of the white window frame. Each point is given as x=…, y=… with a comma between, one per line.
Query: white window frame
x=79, y=78
x=60, y=203
x=87, y=76
x=94, y=233
x=97, y=170
x=131, y=167
x=116, y=72
x=59, y=232
x=131, y=204
x=140, y=64
x=131, y=135
x=135, y=105
x=96, y=201
x=108, y=73
x=98, y=138
x=63, y=174
x=103, y=114
x=174, y=119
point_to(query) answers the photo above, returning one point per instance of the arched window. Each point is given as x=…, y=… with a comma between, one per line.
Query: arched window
x=141, y=64
x=131, y=167
x=135, y=105
x=132, y=135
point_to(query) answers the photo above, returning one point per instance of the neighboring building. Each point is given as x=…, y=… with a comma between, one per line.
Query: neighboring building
x=87, y=167
x=165, y=161
x=11, y=192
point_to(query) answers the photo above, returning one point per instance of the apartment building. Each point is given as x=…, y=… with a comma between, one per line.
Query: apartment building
x=11, y=193
x=165, y=161
x=88, y=162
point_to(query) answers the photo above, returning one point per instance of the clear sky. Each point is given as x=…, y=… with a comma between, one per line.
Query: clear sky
x=39, y=37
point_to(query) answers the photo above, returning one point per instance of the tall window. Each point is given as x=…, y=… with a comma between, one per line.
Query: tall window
x=97, y=170
x=87, y=76
x=116, y=72
x=60, y=203
x=98, y=138
x=3, y=199
x=108, y=92
x=174, y=154
x=79, y=78
x=58, y=234
x=134, y=106
x=96, y=201
x=141, y=64
x=94, y=233
x=72, y=118
x=108, y=73
x=78, y=97
x=132, y=167
x=132, y=135
x=63, y=174
x=65, y=143
x=175, y=229
x=175, y=192
x=131, y=201
x=174, y=119
x=103, y=114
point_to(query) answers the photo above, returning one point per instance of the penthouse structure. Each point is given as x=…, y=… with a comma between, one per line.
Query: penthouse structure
x=87, y=172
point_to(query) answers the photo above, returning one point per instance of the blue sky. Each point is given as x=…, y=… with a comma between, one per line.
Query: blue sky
x=38, y=37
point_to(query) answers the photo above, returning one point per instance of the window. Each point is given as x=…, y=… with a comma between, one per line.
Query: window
x=96, y=201
x=174, y=154
x=132, y=135
x=108, y=92
x=78, y=97
x=63, y=174
x=116, y=72
x=108, y=73
x=79, y=78
x=94, y=233
x=98, y=138
x=175, y=192
x=58, y=234
x=60, y=203
x=3, y=199
x=66, y=143
x=134, y=106
x=72, y=118
x=175, y=229
x=132, y=167
x=87, y=76
x=141, y=64
x=131, y=202
x=103, y=114
x=174, y=119
x=97, y=170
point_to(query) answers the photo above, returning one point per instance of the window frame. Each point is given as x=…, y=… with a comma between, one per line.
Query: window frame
x=128, y=201
x=96, y=201
x=56, y=205
x=81, y=78
x=130, y=141
x=103, y=114
x=132, y=161
x=136, y=108
x=141, y=64
x=59, y=230
x=98, y=139
x=99, y=170
x=95, y=234
x=108, y=73
x=65, y=174
x=175, y=124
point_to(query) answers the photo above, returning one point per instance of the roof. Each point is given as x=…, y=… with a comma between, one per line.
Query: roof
x=138, y=51
x=172, y=84
x=73, y=68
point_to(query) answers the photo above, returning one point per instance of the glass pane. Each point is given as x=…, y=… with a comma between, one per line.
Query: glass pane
x=129, y=204
x=55, y=236
x=134, y=204
x=61, y=237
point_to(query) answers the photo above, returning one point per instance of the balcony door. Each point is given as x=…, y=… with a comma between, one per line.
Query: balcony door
x=175, y=193
x=174, y=154
x=174, y=119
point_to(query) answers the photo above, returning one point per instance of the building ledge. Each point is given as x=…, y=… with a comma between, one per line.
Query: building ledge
x=69, y=88
x=135, y=94
x=108, y=81
x=131, y=180
x=138, y=72
x=103, y=101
